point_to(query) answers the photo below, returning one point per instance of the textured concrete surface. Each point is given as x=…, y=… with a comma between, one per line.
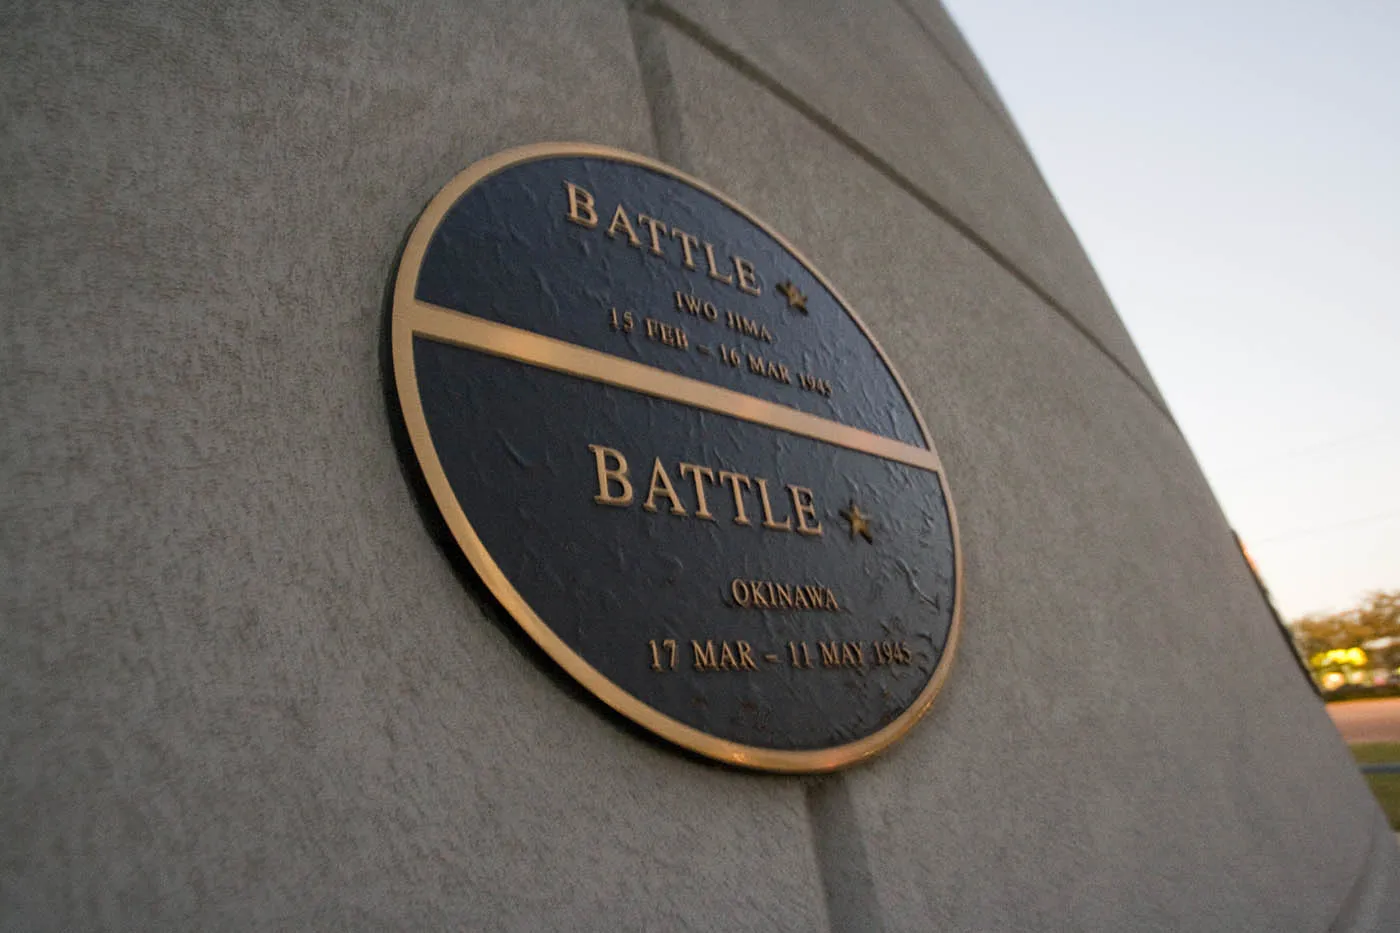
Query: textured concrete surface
x=1104, y=755
x=242, y=687
x=949, y=43
x=871, y=71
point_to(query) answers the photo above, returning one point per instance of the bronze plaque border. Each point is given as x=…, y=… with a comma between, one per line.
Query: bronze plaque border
x=410, y=317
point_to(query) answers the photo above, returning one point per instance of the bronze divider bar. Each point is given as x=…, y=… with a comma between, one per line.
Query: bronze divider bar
x=477, y=333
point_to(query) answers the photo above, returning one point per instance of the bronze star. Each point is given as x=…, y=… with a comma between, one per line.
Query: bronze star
x=795, y=298
x=860, y=524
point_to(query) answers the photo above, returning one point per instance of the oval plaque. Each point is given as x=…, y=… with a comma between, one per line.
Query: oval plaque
x=676, y=457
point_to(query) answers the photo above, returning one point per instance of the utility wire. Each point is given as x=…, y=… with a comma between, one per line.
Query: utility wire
x=1377, y=434
x=1289, y=459
x=1333, y=526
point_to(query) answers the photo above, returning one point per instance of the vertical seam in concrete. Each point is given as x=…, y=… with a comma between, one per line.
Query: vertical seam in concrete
x=658, y=86
x=843, y=868
x=1360, y=903
x=852, y=905
x=999, y=112
x=757, y=75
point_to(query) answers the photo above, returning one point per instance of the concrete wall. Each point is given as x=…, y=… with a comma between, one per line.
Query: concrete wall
x=243, y=688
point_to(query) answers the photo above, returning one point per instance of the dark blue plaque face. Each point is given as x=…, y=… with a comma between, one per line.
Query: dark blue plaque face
x=676, y=457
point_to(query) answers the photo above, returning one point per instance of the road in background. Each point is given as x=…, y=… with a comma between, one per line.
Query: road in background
x=1367, y=720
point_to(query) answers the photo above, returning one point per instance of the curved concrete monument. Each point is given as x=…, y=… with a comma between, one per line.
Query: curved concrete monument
x=252, y=679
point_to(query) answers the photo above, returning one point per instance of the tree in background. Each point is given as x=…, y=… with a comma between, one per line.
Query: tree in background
x=1373, y=626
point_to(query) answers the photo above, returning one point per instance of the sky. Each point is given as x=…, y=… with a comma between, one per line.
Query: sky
x=1233, y=171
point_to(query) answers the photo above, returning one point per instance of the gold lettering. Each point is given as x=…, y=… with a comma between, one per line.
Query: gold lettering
x=727, y=661
x=693, y=305
x=606, y=477
x=747, y=281
x=581, y=206
x=736, y=587
x=688, y=243
x=741, y=517
x=756, y=588
x=714, y=273
x=768, y=508
x=620, y=220
x=696, y=472
x=770, y=594
x=778, y=372
x=704, y=656
x=652, y=224
x=831, y=654
x=805, y=510
x=745, y=656
x=852, y=655
x=661, y=483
